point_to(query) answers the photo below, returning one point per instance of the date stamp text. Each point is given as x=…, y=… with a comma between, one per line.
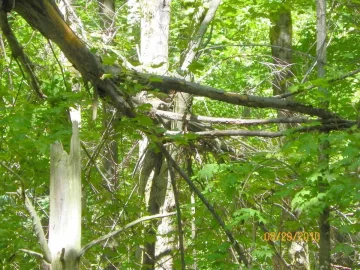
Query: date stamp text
x=292, y=236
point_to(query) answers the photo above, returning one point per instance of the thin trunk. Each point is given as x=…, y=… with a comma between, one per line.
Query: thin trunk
x=281, y=42
x=324, y=223
x=193, y=211
x=110, y=157
x=183, y=101
x=203, y=19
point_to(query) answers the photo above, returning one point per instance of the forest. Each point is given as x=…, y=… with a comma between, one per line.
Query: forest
x=169, y=134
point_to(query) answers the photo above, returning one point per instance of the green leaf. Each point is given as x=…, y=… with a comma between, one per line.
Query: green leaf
x=155, y=79
x=144, y=120
x=195, y=66
x=208, y=171
x=264, y=252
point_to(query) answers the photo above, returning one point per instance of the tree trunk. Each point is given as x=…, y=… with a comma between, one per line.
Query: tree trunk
x=154, y=184
x=65, y=205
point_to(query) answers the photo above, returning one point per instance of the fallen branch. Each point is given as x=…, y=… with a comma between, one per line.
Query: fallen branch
x=52, y=26
x=165, y=84
x=230, y=121
x=222, y=133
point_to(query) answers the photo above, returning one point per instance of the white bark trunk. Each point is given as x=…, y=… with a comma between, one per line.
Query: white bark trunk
x=154, y=184
x=65, y=204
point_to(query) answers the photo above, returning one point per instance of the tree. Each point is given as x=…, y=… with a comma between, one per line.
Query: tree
x=182, y=98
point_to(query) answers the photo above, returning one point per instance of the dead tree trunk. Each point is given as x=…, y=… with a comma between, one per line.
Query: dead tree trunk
x=65, y=205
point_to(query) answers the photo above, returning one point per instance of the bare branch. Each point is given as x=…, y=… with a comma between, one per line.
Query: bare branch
x=31, y=252
x=260, y=133
x=114, y=233
x=37, y=228
x=230, y=121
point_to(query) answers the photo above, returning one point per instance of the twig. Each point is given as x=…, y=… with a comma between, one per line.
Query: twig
x=31, y=252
